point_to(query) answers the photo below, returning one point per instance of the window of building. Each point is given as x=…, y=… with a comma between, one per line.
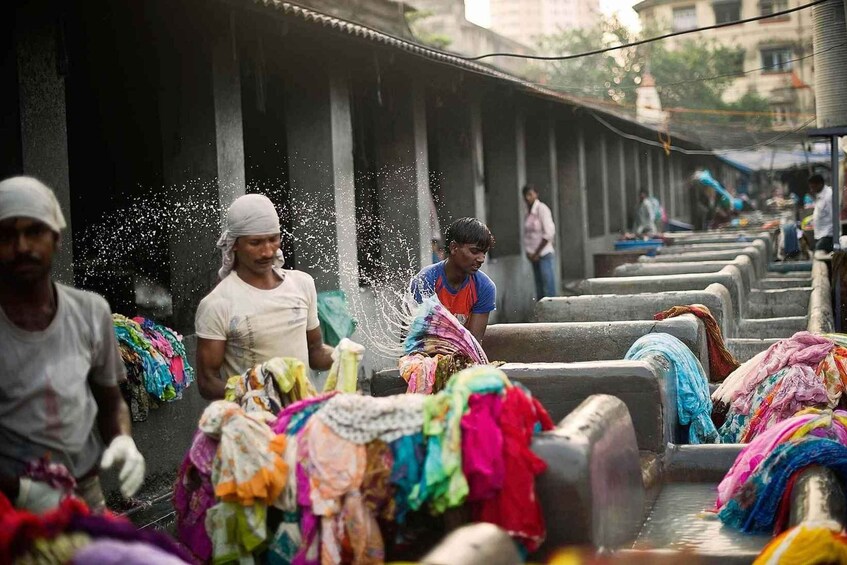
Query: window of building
x=776, y=59
x=684, y=18
x=780, y=114
x=727, y=11
x=768, y=7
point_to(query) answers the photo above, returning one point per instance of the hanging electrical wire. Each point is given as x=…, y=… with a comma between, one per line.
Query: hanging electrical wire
x=644, y=41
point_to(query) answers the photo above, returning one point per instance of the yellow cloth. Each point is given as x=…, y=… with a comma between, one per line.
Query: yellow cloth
x=805, y=545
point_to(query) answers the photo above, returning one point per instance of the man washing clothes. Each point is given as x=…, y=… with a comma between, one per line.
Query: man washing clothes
x=60, y=364
x=461, y=287
x=258, y=311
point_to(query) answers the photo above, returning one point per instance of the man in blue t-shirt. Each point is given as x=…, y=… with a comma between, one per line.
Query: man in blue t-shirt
x=461, y=287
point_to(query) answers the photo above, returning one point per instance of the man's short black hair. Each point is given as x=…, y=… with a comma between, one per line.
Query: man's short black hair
x=529, y=187
x=816, y=179
x=468, y=230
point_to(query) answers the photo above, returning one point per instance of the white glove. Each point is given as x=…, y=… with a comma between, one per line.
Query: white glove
x=123, y=449
x=37, y=497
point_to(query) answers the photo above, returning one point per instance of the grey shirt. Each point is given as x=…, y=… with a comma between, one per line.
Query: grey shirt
x=46, y=403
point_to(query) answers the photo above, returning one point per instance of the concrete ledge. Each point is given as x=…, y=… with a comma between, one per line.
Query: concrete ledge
x=614, y=307
x=778, y=303
x=591, y=493
x=745, y=349
x=474, y=544
x=790, y=266
x=591, y=341
x=729, y=276
x=821, y=319
x=766, y=328
x=818, y=496
x=755, y=254
x=699, y=463
x=743, y=263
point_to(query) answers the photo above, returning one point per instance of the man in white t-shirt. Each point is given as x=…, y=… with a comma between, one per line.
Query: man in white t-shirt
x=258, y=310
x=60, y=365
x=822, y=216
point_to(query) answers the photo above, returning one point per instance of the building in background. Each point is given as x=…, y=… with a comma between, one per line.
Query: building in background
x=527, y=20
x=777, y=60
x=442, y=23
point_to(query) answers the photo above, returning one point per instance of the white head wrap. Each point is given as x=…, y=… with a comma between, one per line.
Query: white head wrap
x=26, y=197
x=251, y=214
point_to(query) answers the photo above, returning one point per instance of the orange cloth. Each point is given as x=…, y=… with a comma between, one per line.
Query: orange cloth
x=721, y=361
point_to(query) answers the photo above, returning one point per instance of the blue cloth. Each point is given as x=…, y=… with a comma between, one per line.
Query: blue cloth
x=409, y=454
x=791, y=244
x=433, y=280
x=754, y=507
x=545, y=277
x=693, y=403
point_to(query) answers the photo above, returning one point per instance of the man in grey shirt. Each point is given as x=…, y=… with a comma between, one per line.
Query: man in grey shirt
x=60, y=364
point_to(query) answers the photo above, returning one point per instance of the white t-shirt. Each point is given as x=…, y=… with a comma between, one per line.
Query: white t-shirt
x=822, y=216
x=46, y=404
x=259, y=324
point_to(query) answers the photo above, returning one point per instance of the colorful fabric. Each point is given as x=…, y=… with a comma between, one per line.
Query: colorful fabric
x=58, y=550
x=721, y=361
x=515, y=507
x=344, y=372
x=427, y=375
x=435, y=330
x=54, y=474
x=409, y=455
x=810, y=422
x=292, y=419
x=693, y=404
x=113, y=552
x=248, y=467
x=806, y=544
x=377, y=491
x=482, y=447
x=754, y=506
x=335, y=466
x=133, y=388
x=271, y=385
x=476, y=294
x=362, y=419
x=236, y=531
x=194, y=494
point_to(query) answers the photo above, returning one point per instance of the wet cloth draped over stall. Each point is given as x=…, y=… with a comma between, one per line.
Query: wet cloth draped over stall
x=694, y=406
x=437, y=347
x=721, y=361
x=156, y=363
x=269, y=386
x=356, y=464
x=803, y=371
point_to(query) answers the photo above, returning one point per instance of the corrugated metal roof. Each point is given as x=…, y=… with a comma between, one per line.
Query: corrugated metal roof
x=362, y=31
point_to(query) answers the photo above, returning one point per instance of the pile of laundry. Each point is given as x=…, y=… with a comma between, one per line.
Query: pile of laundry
x=72, y=534
x=693, y=404
x=755, y=495
x=156, y=365
x=805, y=370
x=436, y=347
x=335, y=478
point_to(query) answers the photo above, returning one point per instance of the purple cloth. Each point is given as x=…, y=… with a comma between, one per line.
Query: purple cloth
x=284, y=417
x=123, y=530
x=309, y=525
x=482, y=446
x=803, y=348
x=111, y=552
x=194, y=494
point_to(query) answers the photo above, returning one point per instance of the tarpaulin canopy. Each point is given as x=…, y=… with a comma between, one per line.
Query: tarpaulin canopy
x=777, y=159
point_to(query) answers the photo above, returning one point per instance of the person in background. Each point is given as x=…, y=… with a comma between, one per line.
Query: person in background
x=822, y=216
x=458, y=282
x=258, y=311
x=60, y=365
x=645, y=215
x=539, y=231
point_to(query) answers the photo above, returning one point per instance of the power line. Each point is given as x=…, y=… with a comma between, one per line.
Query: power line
x=696, y=151
x=644, y=41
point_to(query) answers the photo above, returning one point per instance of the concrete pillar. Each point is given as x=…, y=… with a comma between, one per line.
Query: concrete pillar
x=636, y=160
x=478, y=162
x=197, y=96
x=673, y=188
x=319, y=138
x=504, y=173
x=622, y=193
x=648, y=159
x=570, y=230
x=588, y=263
x=226, y=83
x=43, y=118
x=459, y=178
x=403, y=180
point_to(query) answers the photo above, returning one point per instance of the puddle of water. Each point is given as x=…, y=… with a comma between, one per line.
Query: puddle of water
x=677, y=522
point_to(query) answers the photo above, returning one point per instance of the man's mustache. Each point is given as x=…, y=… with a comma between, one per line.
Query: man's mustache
x=22, y=261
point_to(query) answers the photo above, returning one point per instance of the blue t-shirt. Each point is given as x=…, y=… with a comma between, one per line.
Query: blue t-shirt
x=476, y=295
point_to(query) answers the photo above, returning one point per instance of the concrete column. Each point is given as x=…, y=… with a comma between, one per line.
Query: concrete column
x=456, y=153
x=604, y=167
x=319, y=139
x=661, y=180
x=672, y=185
x=478, y=160
x=226, y=82
x=403, y=180
x=649, y=161
x=43, y=118
x=622, y=193
x=636, y=159
x=197, y=96
x=554, y=200
x=570, y=230
x=588, y=263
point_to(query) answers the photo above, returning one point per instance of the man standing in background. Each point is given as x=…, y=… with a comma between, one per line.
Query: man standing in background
x=823, y=213
x=539, y=231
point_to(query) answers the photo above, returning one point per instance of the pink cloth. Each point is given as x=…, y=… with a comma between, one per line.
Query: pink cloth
x=803, y=348
x=194, y=495
x=482, y=446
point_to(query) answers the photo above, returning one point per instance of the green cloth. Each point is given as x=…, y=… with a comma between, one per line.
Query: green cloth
x=335, y=318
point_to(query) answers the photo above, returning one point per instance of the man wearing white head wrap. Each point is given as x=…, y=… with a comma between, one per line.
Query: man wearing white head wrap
x=60, y=365
x=258, y=311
